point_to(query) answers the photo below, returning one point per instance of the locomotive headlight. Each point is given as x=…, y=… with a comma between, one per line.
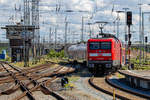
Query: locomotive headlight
x=93, y=54
x=106, y=54
x=108, y=65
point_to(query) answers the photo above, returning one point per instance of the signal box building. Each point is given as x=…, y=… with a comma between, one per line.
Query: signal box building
x=20, y=40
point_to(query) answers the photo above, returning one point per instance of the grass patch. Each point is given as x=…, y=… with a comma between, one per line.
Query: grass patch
x=119, y=75
x=142, y=67
x=124, y=67
x=37, y=62
x=137, y=67
x=73, y=78
x=32, y=63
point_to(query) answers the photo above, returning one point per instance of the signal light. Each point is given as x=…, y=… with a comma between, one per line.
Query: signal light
x=129, y=18
x=129, y=43
x=129, y=35
x=146, y=39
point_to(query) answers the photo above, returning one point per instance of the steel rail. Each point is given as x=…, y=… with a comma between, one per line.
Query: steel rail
x=36, y=85
x=21, y=84
x=42, y=85
x=105, y=91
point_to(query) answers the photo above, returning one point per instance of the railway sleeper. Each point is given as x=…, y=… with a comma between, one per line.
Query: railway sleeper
x=46, y=91
x=25, y=88
x=29, y=94
x=8, y=92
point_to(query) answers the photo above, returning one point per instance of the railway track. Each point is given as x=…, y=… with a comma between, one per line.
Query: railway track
x=23, y=87
x=29, y=72
x=103, y=84
x=26, y=71
x=20, y=76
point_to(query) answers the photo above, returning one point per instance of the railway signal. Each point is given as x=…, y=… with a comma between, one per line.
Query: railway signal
x=129, y=23
x=129, y=43
x=129, y=18
x=146, y=40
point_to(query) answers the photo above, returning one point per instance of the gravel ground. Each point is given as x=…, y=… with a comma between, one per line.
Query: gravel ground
x=80, y=84
x=48, y=70
x=83, y=85
x=12, y=96
x=43, y=79
x=82, y=90
x=6, y=86
x=71, y=94
x=40, y=96
x=3, y=74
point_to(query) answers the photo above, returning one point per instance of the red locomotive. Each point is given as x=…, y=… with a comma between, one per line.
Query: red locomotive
x=104, y=54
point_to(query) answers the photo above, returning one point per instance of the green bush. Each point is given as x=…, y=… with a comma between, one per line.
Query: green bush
x=62, y=54
x=8, y=59
x=53, y=54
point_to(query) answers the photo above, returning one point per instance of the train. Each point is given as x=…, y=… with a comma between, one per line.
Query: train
x=102, y=55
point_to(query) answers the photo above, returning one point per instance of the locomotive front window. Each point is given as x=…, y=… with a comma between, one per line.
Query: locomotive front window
x=94, y=45
x=100, y=45
x=105, y=45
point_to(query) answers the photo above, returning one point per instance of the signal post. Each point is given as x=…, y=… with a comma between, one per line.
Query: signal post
x=129, y=23
x=146, y=40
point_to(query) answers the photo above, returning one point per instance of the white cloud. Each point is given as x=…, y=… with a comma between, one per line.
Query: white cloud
x=3, y=1
x=85, y=5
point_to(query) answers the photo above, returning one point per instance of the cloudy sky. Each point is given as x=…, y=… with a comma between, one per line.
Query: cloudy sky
x=90, y=10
